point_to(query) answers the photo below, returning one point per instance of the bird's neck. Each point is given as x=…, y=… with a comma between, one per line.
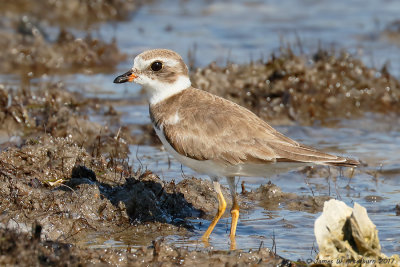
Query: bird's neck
x=159, y=91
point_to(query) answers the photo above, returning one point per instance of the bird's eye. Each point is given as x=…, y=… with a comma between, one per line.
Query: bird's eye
x=156, y=66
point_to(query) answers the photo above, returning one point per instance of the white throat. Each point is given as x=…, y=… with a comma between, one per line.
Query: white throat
x=158, y=91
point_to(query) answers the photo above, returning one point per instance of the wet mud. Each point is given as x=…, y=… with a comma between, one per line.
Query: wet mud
x=304, y=89
x=31, y=56
x=54, y=184
x=66, y=180
x=52, y=110
x=271, y=197
x=72, y=178
x=30, y=50
x=75, y=13
x=69, y=193
x=27, y=250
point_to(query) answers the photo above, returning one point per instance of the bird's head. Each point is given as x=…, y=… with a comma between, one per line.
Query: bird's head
x=161, y=72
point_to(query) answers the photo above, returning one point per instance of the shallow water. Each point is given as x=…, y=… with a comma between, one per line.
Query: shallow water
x=373, y=139
x=240, y=32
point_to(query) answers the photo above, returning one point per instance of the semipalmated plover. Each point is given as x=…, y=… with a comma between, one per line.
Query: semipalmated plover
x=212, y=135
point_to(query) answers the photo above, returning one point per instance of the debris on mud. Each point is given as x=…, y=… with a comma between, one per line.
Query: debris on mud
x=53, y=110
x=290, y=87
x=30, y=48
x=48, y=177
x=392, y=32
x=81, y=14
x=271, y=197
x=57, y=184
x=71, y=175
x=17, y=249
x=347, y=236
x=202, y=195
x=23, y=249
x=33, y=56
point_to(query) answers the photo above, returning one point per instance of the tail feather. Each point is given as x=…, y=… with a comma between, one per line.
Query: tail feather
x=348, y=162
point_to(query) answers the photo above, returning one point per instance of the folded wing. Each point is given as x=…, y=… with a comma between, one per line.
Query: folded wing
x=212, y=128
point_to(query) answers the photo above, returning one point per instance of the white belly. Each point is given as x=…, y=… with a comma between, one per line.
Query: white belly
x=215, y=169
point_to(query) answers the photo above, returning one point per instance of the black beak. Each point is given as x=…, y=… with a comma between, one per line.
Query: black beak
x=126, y=77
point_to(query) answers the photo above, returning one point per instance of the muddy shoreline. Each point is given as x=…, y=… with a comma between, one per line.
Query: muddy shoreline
x=22, y=249
x=136, y=208
x=66, y=180
x=72, y=178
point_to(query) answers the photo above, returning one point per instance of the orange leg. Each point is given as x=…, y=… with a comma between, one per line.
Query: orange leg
x=221, y=210
x=235, y=217
x=234, y=211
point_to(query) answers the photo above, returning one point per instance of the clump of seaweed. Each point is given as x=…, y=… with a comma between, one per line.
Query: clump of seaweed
x=22, y=249
x=80, y=14
x=71, y=194
x=52, y=110
x=32, y=56
x=305, y=89
x=31, y=48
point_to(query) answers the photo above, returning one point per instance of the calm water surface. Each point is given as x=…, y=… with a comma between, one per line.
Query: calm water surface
x=235, y=31
x=240, y=32
x=373, y=139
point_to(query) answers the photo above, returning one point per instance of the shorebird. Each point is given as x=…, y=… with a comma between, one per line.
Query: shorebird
x=213, y=135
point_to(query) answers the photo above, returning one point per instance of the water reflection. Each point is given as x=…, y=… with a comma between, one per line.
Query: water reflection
x=371, y=186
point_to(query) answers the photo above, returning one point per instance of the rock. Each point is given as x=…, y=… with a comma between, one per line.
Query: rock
x=346, y=236
x=330, y=223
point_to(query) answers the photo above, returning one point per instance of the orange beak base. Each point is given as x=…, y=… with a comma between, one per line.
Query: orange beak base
x=126, y=77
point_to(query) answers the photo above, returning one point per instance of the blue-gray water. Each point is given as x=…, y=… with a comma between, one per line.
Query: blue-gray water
x=245, y=30
x=241, y=31
x=373, y=139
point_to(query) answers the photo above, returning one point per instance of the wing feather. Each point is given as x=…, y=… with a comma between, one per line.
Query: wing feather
x=213, y=128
